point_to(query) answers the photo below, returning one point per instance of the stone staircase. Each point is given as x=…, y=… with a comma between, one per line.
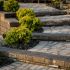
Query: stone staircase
x=56, y=31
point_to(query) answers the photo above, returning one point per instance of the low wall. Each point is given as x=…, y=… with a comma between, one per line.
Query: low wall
x=37, y=57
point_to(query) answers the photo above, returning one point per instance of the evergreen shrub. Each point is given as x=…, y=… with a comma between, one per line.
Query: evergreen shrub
x=11, y=6
x=24, y=12
x=33, y=23
x=17, y=35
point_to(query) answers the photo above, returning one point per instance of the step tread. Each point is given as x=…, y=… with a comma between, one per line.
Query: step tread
x=58, y=29
x=55, y=18
x=42, y=9
x=52, y=47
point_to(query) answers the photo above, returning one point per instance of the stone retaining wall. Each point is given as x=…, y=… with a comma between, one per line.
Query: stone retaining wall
x=37, y=58
x=5, y=22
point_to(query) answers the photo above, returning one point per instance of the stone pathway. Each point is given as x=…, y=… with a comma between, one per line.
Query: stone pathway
x=24, y=66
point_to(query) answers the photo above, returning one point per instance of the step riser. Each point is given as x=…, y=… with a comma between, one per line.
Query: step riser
x=50, y=13
x=53, y=23
x=51, y=37
x=10, y=15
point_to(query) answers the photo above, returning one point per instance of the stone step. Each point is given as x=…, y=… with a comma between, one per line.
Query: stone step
x=42, y=9
x=53, y=47
x=38, y=58
x=51, y=36
x=45, y=12
x=56, y=20
x=56, y=29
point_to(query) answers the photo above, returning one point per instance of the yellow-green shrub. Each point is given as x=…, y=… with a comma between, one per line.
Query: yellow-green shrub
x=24, y=12
x=16, y=35
x=33, y=23
x=11, y=6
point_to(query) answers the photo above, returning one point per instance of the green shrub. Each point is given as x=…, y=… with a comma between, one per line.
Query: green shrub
x=11, y=5
x=17, y=35
x=24, y=12
x=33, y=23
x=1, y=4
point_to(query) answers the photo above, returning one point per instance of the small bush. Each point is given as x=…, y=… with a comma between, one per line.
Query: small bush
x=24, y=12
x=33, y=23
x=1, y=5
x=18, y=35
x=11, y=5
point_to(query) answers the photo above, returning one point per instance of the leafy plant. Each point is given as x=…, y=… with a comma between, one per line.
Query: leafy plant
x=1, y=4
x=17, y=35
x=33, y=23
x=11, y=5
x=56, y=3
x=24, y=12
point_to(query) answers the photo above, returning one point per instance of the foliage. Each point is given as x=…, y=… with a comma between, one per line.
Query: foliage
x=24, y=12
x=33, y=23
x=11, y=5
x=56, y=3
x=17, y=35
x=1, y=4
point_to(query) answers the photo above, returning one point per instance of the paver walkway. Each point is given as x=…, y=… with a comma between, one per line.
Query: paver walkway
x=24, y=66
